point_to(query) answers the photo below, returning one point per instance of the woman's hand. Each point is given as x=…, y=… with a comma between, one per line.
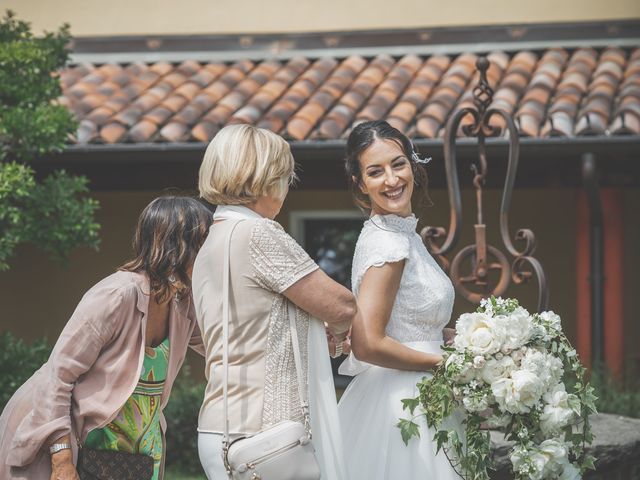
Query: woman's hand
x=448, y=334
x=62, y=467
x=335, y=340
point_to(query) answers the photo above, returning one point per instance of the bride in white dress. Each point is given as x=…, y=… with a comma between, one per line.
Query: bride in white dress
x=405, y=301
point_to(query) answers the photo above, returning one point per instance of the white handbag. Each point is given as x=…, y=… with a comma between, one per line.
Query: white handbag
x=283, y=451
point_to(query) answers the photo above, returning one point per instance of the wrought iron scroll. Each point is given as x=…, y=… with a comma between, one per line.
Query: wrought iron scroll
x=480, y=270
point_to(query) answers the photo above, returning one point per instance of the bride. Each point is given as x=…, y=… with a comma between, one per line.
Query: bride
x=405, y=301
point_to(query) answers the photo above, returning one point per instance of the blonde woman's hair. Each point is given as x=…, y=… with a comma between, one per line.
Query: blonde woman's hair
x=243, y=163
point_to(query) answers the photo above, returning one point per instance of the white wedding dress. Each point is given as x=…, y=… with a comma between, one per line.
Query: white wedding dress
x=371, y=405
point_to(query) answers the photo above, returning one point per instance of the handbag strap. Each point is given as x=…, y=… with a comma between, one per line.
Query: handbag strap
x=302, y=391
x=304, y=403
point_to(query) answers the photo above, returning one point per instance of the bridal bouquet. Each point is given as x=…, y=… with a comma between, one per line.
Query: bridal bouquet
x=515, y=372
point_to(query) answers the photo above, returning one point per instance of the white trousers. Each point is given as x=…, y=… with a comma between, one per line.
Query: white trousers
x=210, y=453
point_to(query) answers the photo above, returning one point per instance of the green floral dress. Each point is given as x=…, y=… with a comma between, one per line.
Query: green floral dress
x=136, y=427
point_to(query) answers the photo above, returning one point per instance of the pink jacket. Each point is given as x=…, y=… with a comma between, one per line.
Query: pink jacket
x=93, y=369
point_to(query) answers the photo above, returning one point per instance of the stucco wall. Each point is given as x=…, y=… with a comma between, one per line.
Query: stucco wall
x=124, y=17
x=38, y=296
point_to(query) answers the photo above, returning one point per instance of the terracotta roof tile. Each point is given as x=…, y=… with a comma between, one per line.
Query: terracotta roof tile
x=174, y=132
x=143, y=131
x=113, y=132
x=100, y=115
x=554, y=92
x=87, y=131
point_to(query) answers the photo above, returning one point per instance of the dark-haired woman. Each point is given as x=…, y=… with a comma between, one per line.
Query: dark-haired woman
x=405, y=301
x=111, y=371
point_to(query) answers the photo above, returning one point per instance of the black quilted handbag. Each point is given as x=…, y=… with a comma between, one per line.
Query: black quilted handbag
x=110, y=465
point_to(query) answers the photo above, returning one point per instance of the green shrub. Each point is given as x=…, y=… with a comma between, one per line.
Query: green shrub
x=54, y=214
x=18, y=361
x=182, y=423
x=617, y=397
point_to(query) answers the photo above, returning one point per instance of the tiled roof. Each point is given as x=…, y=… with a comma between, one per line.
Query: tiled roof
x=555, y=92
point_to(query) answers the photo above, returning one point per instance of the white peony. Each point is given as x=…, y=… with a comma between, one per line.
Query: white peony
x=552, y=319
x=496, y=369
x=514, y=329
x=547, y=460
x=546, y=366
x=475, y=332
x=556, y=454
x=518, y=393
x=557, y=412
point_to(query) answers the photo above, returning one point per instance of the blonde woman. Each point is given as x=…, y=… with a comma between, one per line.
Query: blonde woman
x=246, y=171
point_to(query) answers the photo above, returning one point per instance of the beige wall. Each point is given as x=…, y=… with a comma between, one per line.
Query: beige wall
x=38, y=296
x=137, y=17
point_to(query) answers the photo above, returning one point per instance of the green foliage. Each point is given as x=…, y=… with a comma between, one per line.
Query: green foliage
x=61, y=218
x=18, y=361
x=53, y=214
x=182, y=423
x=16, y=184
x=617, y=397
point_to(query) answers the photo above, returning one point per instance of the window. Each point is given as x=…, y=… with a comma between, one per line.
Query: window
x=330, y=238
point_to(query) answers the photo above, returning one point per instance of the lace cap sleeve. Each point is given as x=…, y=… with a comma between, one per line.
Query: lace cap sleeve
x=277, y=259
x=376, y=247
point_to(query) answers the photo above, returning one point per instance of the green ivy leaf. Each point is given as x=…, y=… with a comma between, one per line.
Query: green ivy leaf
x=408, y=430
x=410, y=404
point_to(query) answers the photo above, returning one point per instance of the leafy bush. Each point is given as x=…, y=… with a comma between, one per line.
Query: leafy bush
x=54, y=214
x=182, y=423
x=18, y=361
x=621, y=398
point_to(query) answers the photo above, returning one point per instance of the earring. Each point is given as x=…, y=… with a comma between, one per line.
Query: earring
x=172, y=278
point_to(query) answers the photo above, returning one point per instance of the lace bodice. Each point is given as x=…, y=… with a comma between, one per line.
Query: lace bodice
x=425, y=298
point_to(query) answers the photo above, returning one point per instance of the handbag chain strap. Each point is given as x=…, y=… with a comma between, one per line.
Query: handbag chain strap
x=304, y=402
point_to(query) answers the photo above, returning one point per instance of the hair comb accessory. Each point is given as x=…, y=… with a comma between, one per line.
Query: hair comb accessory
x=418, y=159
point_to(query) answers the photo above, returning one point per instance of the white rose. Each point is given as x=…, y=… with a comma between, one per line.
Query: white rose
x=495, y=369
x=479, y=361
x=475, y=332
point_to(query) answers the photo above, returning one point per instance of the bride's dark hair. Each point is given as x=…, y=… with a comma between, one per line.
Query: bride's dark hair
x=361, y=138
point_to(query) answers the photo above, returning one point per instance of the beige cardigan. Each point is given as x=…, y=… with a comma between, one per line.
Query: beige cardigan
x=93, y=369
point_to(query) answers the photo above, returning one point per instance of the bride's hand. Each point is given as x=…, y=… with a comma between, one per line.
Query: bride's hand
x=448, y=334
x=335, y=340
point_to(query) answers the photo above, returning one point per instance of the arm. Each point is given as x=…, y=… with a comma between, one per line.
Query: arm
x=90, y=327
x=369, y=341
x=281, y=265
x=62, y=467
x=326, y=300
